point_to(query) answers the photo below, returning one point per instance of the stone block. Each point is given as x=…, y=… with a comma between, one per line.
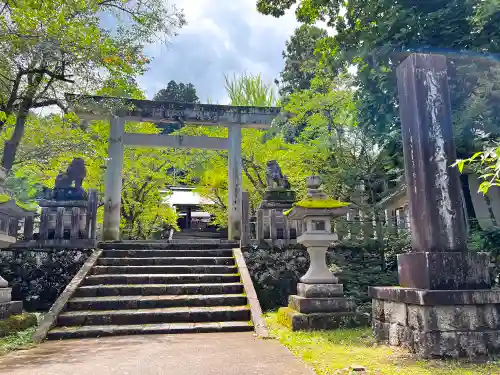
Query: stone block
x=425, y=297
x=3, y=283
x=396, y=334
x=5, y=294
x=10, y=308
x=314, y=305
x=380, y=330
x=444, y=270
x=395, y=312
x=320, y=290
x=316, y=321
x=456, y=344
x=454, y=318
x=378, y=309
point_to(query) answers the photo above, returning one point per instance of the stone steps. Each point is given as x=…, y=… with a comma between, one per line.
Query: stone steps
x=157, y=288
x=160, y=279
x=183, y=269
x=167, y=261
x=155, y=315
x=141, y=329
x=158, y=301
x=162, y=253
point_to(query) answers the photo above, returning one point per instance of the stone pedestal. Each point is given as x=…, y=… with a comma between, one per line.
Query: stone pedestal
x=317, y=307
x=8, y=307
x=271, y=222
x=438, y=323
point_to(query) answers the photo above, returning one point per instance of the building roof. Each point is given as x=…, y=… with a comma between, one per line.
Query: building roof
x=185, y=196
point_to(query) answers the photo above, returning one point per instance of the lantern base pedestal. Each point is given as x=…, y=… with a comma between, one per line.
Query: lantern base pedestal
x=318, y=307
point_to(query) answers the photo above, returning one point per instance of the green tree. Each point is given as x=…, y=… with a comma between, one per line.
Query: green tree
x=53, y=46
x=375, y=36
x=50, y=143
x=207, y=170
x=185, y=93
x=300, y=59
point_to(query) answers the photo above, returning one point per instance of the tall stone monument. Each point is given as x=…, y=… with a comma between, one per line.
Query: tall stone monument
x=444, y=305
x=320, y=301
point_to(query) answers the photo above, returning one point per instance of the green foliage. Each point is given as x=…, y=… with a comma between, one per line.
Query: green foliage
x=375, y=36
x=275, y=272
x=51, y=143
x=250, y=90
x=38, y=278
x=486, y=164
x=17, y=341
x=207, y=170
x=54, y=46
x=300, y=60
x=184, y=93
x=16, y=323
x=336, y=351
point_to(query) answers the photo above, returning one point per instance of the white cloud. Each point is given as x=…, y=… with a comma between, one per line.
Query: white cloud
x=222, y=36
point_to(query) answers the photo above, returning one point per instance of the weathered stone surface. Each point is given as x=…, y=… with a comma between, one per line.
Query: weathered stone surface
x=380, y=330
x=444, y=270
x=160, y=279
x=434, y=189
x=10, y=308
x=5, y=294
x=395, y=312
x=316, y=305
x=317, y=321
x=439, y=331
x=378, y=309
x=454, y=318
x=164, y=269
x=434, y=297
x=166, y=261
x=146, y=316
x=320, y=290
x=157, y=289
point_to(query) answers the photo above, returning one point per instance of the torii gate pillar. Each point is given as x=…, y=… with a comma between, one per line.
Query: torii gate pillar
x=234, y=182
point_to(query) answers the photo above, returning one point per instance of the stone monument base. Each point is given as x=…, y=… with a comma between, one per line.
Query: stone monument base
x=10, y=308
x=438, y=323
x=317, y=307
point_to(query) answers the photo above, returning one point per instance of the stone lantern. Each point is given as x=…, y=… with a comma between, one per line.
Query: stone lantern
x=320, y=302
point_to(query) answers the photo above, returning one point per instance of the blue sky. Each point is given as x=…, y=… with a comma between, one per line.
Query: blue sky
x=222, y=36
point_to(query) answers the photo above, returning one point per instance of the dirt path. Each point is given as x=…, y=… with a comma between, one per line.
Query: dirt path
x=196, y=354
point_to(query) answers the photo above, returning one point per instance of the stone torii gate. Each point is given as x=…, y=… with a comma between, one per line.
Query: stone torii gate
x=120, y=110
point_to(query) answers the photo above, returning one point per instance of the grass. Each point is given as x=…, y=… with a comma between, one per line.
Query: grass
x=333, y=352
x=16, y=341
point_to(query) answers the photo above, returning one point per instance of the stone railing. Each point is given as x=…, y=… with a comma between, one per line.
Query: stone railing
x=70, y=224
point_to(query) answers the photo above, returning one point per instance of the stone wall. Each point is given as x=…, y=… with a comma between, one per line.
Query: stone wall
x=465, y=324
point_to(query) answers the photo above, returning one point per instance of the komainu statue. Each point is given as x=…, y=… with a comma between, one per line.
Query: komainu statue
x=275, y=178
x=75, y=173
x=63, y=186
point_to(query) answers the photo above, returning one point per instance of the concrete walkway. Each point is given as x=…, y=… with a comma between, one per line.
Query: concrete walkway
x=189, y=354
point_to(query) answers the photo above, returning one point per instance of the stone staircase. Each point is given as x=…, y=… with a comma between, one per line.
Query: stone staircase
x=141, y=289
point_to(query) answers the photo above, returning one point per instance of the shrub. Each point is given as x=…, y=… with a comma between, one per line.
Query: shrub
x=276, y=272
x=37, y=278
x=16, y=323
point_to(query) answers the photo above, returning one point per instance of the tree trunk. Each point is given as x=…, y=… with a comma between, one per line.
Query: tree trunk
x=11, y=145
